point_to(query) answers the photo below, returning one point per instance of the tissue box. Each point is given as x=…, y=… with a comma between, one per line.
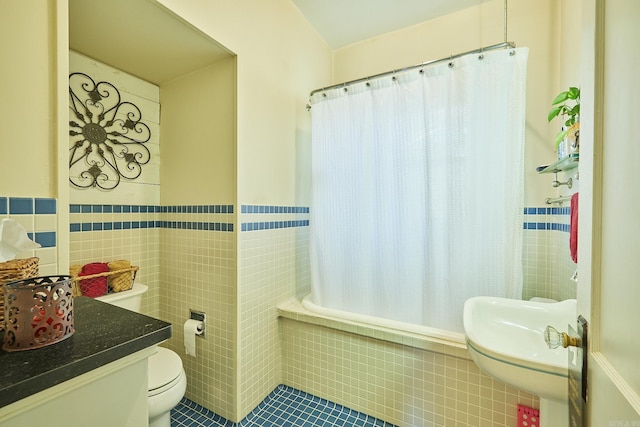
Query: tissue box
x=38, y=312
x=13, y=270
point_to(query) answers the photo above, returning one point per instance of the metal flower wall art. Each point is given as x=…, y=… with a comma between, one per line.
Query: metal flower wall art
x=107, y=136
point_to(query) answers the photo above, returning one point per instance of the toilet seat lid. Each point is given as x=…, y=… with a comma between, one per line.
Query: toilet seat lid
x=164, y=367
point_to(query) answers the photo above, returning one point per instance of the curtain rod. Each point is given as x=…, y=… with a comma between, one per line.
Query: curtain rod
x=449, y=58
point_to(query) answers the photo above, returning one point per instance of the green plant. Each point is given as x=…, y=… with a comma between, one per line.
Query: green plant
x=572, y=113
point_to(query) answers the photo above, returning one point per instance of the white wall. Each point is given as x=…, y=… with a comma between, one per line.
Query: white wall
x=280, y=60
x=198, y=136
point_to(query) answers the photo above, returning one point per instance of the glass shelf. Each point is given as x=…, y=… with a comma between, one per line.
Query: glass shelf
x=564, y=164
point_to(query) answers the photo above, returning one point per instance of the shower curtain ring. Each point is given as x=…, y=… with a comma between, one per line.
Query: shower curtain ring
x=451, y=61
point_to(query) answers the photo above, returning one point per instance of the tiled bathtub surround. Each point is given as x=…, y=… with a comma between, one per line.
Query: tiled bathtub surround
x=399, y=383
x=39, y=218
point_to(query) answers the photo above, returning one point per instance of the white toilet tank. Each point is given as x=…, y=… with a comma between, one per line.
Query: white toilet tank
x=131, y=299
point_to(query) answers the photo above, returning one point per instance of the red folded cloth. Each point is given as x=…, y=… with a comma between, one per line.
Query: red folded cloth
x=573, y=228
x=96, y=286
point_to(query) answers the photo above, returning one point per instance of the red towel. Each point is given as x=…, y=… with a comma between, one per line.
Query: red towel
x=573, y=228
x=98, y=285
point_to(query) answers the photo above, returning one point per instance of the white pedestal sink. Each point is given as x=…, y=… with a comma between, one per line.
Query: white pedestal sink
x=505, y=338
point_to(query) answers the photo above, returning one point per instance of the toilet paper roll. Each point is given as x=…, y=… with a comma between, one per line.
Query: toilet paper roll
x=191, y=329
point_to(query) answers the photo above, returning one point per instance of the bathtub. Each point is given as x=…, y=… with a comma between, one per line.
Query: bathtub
x=418, y=336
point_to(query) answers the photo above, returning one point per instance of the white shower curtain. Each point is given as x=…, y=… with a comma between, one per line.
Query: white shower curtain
x=417, y=187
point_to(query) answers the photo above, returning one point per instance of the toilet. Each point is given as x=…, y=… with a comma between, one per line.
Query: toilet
x=167, y=379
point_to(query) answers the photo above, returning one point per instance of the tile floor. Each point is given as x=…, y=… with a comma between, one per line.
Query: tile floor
x=284, y=407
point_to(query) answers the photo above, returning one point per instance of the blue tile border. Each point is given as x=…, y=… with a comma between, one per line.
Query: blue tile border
x=547, y=211
x=137, y=223
x=273, y=225
x=544, y=223
x=530, y=223
x=222, y=226
x=276, y=223
x=268, y=209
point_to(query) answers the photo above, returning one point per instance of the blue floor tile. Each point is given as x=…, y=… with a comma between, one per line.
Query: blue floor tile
x=283, y=407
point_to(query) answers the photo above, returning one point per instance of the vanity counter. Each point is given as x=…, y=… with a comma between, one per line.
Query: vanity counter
x=103, y=334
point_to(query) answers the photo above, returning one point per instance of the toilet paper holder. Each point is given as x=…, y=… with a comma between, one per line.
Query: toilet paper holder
x=202, y=317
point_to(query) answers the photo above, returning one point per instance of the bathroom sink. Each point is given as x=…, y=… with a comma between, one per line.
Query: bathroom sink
x=505, y=338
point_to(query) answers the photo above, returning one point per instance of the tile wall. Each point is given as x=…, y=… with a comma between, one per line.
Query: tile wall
x=102, y=233
x=39, y=218
x=191, y=251
x=547, y=264
x=399, y=383
x=198, y=271
x=273, y=244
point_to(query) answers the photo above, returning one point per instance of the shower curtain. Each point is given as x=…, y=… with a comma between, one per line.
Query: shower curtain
x=417, y=189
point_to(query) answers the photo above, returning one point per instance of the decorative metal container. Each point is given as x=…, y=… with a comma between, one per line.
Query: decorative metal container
x=38, y=312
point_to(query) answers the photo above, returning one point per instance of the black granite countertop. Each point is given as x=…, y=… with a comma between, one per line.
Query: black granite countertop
x=103, y=333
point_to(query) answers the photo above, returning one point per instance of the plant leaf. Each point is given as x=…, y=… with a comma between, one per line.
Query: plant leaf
x=560, y=136
x=562, y=96
x=574, y=93
x=553, y=113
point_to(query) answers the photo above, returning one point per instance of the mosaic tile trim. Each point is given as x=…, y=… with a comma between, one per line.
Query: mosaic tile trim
x=264, y=209
x=157, y=221
x=534, y=219
x=272, y=225
x=274, y=222
x=546, y=218
x=283, y=407
x=221, y=209
x=35, y=207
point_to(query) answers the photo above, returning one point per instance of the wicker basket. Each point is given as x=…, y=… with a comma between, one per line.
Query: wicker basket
x=117, y=280
x=16, y=269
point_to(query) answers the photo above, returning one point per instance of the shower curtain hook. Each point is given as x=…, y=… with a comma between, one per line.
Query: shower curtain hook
x=481, y=56
x=450, y=61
